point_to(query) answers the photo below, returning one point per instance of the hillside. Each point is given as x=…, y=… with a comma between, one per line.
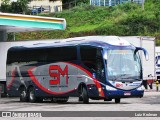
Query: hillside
x=123, y=20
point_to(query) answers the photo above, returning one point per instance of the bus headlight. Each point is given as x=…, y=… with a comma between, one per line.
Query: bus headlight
x=110, y=88
x=141, y=88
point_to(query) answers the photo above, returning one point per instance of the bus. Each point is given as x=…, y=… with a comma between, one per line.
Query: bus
x=92, y=67
x=157, y=64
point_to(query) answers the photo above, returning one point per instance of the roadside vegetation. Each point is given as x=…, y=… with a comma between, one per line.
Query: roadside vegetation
x=127, y=19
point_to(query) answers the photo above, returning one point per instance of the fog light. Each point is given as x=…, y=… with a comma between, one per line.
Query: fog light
x=99, y=89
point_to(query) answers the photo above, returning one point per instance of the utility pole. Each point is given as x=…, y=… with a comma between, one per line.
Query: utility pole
x=14, y=36
x=143, y=4
x=110, y=4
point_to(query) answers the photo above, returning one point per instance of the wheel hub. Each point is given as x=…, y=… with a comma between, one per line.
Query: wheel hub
x=23, y=94
x=31, y=95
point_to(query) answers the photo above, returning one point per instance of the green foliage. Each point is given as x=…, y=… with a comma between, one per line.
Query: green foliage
x=128, y=7
x=14, y=7
x=78, y=1
x=5, y=7
x=126, y=19
x=23, y=5
x=144, y=23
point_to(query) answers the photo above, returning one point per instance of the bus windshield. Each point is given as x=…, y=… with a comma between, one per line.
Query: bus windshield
x=123, y=65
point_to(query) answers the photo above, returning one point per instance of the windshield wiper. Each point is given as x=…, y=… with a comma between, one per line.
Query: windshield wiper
x=127, y=79
x=138, y=79
x=113, y=79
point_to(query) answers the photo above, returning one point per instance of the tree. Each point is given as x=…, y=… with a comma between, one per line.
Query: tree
x=16, y=7
x=5, y=6
x=67, y=3
x=20, y=6
x=24, y=5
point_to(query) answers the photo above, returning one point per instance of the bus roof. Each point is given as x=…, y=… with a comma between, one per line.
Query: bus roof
x=99, y=41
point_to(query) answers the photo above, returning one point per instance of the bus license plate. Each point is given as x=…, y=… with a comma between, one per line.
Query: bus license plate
x=127, y=93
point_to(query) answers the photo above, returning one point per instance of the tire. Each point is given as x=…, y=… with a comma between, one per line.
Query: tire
x=32, y=97
x=80, y=98
x=85, y=96
x=23, y=95
x=117, y=100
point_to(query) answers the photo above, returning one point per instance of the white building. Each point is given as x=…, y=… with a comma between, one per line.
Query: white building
x=54, y=5
x=112, y=2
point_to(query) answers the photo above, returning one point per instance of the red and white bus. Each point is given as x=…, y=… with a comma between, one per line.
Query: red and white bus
x=93, y=67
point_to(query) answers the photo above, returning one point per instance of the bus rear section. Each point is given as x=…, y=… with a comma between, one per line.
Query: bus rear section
x=84, y=70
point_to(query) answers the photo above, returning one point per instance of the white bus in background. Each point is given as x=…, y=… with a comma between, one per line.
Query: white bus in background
x=148, y=43
x=157, y=62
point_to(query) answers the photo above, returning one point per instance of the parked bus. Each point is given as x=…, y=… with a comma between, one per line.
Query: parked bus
x=157, y=64
x=93, y=67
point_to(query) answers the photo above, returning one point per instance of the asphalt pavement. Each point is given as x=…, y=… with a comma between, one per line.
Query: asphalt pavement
x=149, y=102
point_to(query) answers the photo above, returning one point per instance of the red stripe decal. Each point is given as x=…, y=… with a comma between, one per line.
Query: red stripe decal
x=90, y=75
x=48, y=91
x=13, y=75
x=34, y=79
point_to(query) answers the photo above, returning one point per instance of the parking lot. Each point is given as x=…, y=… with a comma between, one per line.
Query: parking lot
x=150, y=102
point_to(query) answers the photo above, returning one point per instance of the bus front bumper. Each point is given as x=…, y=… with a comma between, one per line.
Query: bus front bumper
x=124, y=93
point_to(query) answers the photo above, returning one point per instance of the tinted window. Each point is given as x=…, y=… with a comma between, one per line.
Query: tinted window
x=92, y=58
x=42, y=54
x=88, y=56
x=26, y=55
x=62, y=54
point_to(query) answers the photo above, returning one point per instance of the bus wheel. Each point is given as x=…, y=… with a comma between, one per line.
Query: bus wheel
x=80, y=98
x=32, y=97
x=23, y=95
x=85, y=96
x=117, y=100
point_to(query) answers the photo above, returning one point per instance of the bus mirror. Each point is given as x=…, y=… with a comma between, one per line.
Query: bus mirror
x=144, y=51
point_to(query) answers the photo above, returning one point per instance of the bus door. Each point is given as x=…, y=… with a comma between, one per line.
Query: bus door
x=100, y=71
x=91, y=58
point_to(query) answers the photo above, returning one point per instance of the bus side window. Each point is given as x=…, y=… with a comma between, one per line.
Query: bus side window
x=62, y=54
x=88, y=57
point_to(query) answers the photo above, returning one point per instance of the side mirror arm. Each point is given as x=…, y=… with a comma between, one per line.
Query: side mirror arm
x=144, y=51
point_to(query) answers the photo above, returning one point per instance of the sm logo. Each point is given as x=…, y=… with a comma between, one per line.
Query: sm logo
x=56, y=72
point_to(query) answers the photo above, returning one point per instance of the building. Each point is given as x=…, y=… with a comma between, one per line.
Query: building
x=49, y=5
x=112, y=2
